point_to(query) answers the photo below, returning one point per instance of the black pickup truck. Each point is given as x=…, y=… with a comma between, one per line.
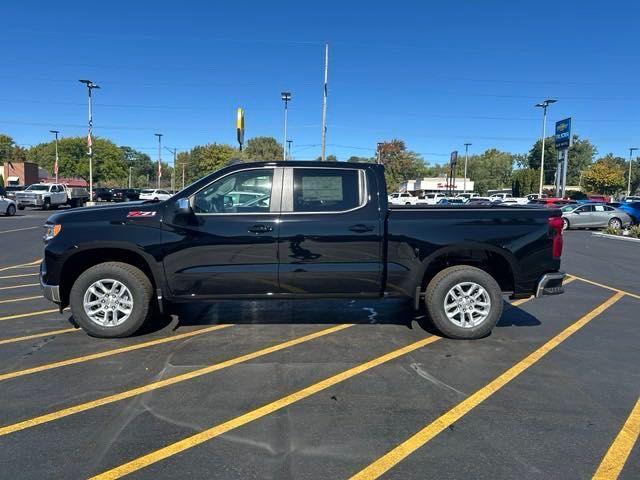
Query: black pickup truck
x=297, y=230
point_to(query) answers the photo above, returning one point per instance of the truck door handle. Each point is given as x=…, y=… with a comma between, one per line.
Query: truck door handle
x=361, y=228
x=259, y=228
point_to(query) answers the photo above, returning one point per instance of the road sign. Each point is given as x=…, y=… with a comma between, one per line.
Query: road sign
x=563, y=134
x=240, y=126
x=454, y=157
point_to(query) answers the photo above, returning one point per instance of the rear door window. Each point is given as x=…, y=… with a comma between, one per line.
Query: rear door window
x=324, y=190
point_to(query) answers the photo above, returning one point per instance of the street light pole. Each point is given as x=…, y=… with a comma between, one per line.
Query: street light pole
x=544, y=106
x=159, y=135
x=379, y=152
x=631, y=150
x=55, y=166
x=286, y=98
x=466, y=159
x=289, y=142
x=173, y=171
x=90, y=86
x=183, y=165
x=130, y=168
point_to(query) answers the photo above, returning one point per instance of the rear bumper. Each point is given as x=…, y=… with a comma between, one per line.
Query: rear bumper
x=550, y=284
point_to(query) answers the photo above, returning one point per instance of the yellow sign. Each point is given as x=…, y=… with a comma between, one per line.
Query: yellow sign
x=240, y=126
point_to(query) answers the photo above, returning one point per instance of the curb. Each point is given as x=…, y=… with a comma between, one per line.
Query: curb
x=617, y=237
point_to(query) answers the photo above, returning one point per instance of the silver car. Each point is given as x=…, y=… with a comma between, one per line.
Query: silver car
x=593, y=215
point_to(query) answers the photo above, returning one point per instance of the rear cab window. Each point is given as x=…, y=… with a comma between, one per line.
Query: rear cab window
x=326, y=190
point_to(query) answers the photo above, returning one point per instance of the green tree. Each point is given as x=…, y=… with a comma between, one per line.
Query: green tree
x=400, y=164
x=581, y=155
x=355, y=159
x=262, y=149
x=10, y=151
x=490, y=170
x=330, y=158
x=205, y=159
x=605, y=176
x=525, y=181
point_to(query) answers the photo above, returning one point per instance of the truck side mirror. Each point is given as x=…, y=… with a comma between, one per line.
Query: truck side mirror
x=183, y=206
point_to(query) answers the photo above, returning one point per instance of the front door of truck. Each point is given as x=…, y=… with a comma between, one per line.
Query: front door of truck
x=330, y=233
x=228, y=245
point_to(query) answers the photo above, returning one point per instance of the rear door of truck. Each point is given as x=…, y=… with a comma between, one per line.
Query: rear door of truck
x=331, y=234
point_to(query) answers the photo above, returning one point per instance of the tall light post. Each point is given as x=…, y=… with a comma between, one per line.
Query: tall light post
x=289, y=142
x=544, y=106
x=173, y=171
x=631, y=150
x=159, y=135
x=90, y=86
x=55, y=165
x=286, y=98
x=466, y=159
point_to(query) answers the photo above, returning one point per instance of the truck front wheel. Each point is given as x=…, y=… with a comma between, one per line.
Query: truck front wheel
x=464, y=302
x=111, y=300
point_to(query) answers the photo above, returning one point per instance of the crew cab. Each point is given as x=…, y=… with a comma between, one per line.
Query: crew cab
x=315, y=230
x=51, y=195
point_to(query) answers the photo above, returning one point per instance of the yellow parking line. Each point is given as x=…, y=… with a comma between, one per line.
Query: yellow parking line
x=608, y=287
x=108, y=353
x=83, y=407
x=35, y=263
x=620, y=449
x=29, y=314
x=38, y=335
x=406, y=448
x=20, y=286
x=19, y=275
x=22, y=299
x=567, y=281
x=197, y=439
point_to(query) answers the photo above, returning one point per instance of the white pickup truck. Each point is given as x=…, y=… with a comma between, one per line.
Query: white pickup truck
x=400, y=198
x=51, y=195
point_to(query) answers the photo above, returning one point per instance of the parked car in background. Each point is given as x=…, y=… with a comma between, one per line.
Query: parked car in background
x=51, y=195
x=480, y=201
x=592, y=215
x=536, y=196
x=630, y=208
x=102, y=194
x=400, y=198
x=452, y=201
x=599, y=198
x=514, y=201
x=499, y=196
x=632, y=198
x=7, y=205
x=125, y=195
x=154, y=194
x=467, y=195
x=432, y=198
x=552, y=202
x=11, y=191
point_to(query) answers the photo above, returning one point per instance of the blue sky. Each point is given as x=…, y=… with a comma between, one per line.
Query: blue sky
x=436, y=74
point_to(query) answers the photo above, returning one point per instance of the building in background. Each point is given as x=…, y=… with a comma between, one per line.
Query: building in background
x=434, y=185
x=20, y=173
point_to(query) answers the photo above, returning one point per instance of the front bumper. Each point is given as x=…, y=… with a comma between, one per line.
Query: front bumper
x=550, y=284
x=36, y=202
x=50, y=292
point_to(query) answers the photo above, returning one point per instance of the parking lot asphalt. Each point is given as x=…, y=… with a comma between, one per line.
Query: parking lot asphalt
x=325, y=389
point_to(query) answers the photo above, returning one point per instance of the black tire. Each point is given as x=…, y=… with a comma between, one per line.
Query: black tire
x=437, y=292
x=11, y=210
x=47, y=204
x=615, y=222
x=20, y=207
x=133, y=278
x=565, y=224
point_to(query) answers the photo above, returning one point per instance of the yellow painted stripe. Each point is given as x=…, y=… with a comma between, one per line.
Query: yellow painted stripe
x=38, y=335
x=20, y=286
x=258, y=413
x=19, y=275
x=406, y=448
x=608, y=287
x=620, y=449
x=35, y=263
x=29, y=314
x=108, y=353
x=22, y=299
x=567, y=281
x=83, y=407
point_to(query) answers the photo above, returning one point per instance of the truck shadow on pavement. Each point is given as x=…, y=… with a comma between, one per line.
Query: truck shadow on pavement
x=329, y=312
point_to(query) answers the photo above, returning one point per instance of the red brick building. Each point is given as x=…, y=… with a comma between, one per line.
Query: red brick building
x=20, y=173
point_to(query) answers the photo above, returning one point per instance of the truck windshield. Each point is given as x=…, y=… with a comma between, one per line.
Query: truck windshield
x=39, y=188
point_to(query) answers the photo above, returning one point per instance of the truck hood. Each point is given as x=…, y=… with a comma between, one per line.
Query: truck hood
x=116, y=213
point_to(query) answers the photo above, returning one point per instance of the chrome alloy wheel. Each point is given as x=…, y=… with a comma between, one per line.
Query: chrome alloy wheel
x=108, y=302
x=467, y=304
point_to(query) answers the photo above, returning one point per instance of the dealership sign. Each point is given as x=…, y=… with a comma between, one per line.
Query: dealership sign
x=563, y=134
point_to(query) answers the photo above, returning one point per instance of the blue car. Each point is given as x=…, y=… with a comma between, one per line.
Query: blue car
x=631, y=208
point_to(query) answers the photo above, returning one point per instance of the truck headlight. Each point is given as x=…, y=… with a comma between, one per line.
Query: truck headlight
x=51, y=231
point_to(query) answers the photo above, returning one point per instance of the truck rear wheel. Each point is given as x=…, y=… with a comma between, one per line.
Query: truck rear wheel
x=464, y=302
x=111, y=300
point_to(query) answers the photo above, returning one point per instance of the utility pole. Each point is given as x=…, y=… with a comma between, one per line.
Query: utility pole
x=466, y=159
x=130, y=168
x=183, y=165
x=55, y=165
x=289, y=142
x=324, y=101
x=159, y=135
x=175, y=152
x=90, y=86
x=379, y=152
x=544, y=106
x=286, y=98
x=631, y=150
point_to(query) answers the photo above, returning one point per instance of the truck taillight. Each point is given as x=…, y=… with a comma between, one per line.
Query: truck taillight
x=555, y=231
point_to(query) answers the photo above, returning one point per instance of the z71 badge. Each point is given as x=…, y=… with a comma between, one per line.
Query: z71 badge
x=137, y=214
